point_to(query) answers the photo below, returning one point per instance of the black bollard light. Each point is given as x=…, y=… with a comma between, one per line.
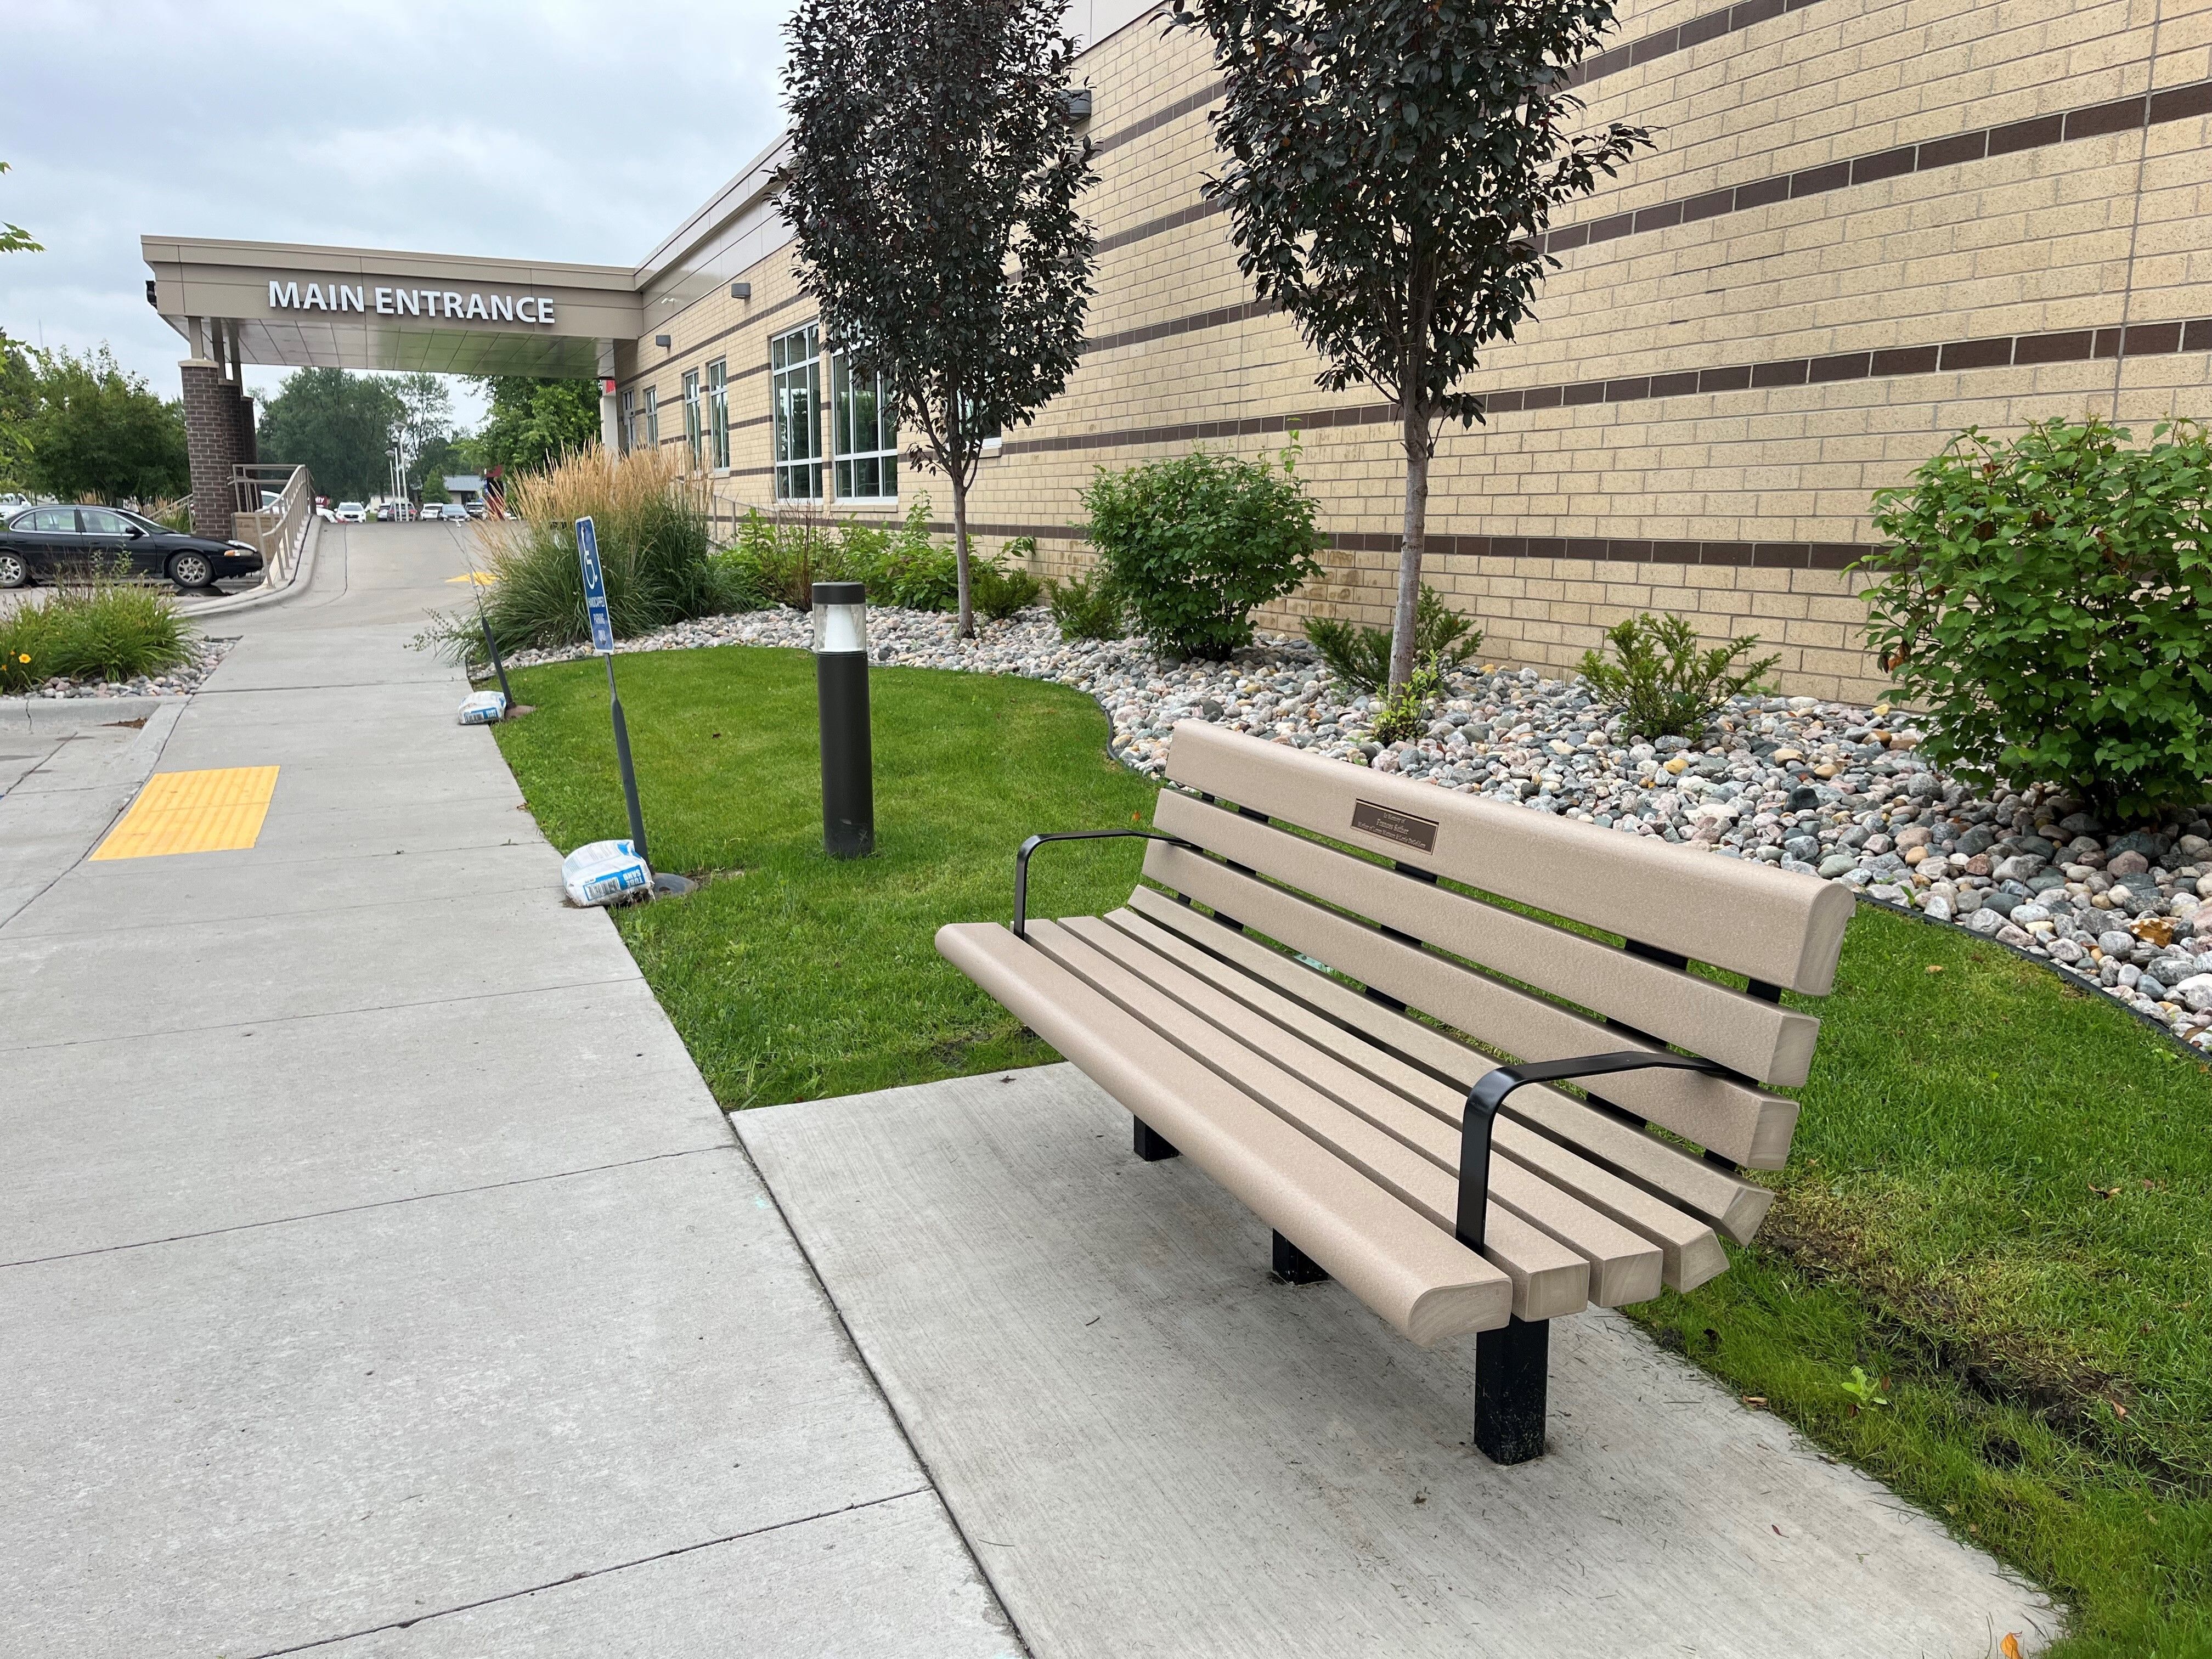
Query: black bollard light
x=841, y=684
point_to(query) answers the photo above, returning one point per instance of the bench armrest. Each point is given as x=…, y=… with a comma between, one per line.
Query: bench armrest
x=1489, y=1094
x=1022, y=862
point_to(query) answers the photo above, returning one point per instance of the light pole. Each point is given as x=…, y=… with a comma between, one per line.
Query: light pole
x=841, y=684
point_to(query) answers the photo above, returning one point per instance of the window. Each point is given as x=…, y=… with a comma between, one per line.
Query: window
x=718, y=411
x=866, y=416
x=653, y=418
x=795, y=381
x=629, y=421
x=691, y=413
x=53, y=521
x=99, y=522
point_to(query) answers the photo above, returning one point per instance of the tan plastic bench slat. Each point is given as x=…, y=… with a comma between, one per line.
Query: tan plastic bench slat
x=1734, y=1205
x=1623, y=1267
x=1690, y=1254
x=1549, y=1279
x=1414, y=1276
x=1766, y=923
x=1743, y=1033
x=1740, y=1123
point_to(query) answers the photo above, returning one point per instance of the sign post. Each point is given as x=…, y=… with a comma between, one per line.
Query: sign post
x=603, y=641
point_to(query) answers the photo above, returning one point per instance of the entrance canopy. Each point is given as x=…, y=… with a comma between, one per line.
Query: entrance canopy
x=303, y=307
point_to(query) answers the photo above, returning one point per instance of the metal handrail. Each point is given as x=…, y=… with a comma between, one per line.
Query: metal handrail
x=278, y=533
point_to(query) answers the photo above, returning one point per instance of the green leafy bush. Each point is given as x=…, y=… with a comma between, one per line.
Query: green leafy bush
x=1404, y=713
x=1196, y=544
x=1361, y=656
x=912, y=570
x=997, y=592
x=1085, y=607
x=2046, y=599
x=1661, y=683
x=91, y=628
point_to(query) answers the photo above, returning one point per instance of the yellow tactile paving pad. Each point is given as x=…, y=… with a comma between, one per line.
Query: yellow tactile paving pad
x=217, y=812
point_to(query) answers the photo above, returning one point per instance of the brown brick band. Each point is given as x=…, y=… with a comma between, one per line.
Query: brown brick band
x=1629, y=54
x=2020, y=350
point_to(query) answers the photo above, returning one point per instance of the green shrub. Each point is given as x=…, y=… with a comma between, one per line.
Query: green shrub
x=912, y=570
x=1661, y=683
x=997, y=592
x=93, y=627
x=1405, y=712
x=2045, y=599
x=1085, y=608
x=1196, y=544
x=1361, y=656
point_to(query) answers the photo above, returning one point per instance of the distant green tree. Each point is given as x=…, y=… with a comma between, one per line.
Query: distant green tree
x=338, y=425
x=98, y=431
x=534, y=422
x=19, y=402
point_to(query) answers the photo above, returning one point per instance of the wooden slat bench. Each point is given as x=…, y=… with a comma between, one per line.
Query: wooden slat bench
x=1449, y=1192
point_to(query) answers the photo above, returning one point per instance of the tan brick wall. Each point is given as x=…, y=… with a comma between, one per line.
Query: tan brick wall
x=2046, y=234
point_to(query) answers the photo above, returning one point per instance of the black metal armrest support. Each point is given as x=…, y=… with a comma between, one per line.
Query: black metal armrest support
x=1489, y=1094
x=1022, y=862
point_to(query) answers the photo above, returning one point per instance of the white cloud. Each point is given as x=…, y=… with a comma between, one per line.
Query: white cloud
x=554, y=131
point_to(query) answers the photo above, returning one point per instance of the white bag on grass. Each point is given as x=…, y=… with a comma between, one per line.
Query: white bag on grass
x=604, y=873
x=483, y=708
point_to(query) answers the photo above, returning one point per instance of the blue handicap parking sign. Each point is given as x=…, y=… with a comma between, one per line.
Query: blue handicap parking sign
x=595, y=588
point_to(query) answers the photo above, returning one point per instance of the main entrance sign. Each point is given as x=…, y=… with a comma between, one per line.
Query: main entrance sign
x=410, y=302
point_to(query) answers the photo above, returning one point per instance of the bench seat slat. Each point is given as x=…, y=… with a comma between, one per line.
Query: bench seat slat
x=1624, y=1267
x=1690, y=1254
x=1770, y=924
x=1740, y=1123
x=1758, y=1038
x=1735, y=1206
x=1417, y=1278
x=1549, y=1279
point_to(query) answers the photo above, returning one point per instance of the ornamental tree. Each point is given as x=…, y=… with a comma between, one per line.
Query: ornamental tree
x=1392, y=164
x=932, y=186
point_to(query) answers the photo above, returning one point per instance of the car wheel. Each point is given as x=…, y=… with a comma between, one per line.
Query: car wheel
x=190, y=570
x=14, y=570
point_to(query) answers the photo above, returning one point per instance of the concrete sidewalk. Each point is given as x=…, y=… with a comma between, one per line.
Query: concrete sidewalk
x=376, y=1271
x=1157, y=1450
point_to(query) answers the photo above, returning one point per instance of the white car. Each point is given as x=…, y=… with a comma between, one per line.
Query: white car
x=352, y=513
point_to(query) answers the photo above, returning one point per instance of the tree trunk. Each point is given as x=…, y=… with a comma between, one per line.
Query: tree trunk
x=1409, y=549
x=967, y=630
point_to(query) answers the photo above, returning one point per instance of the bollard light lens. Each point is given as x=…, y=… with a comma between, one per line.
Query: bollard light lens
x=840, y=618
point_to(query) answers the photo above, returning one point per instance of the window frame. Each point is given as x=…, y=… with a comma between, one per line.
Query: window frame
x=693, y=433
x=718, y=412
x=628, y=427
x=797, y=476
x=849, y=461
x=653, y=418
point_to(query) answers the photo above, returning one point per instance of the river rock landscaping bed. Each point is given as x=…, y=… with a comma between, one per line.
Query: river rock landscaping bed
x=208, y=655
x=1828, y=789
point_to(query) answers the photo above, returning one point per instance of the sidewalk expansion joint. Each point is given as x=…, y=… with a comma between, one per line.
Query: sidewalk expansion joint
x=355, y=1209
x=267, y=1020
x=597, y=1572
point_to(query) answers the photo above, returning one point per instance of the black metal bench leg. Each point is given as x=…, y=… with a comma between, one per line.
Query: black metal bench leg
x=1512, y=1368
x=1152, y=1147
x=1294, y=1267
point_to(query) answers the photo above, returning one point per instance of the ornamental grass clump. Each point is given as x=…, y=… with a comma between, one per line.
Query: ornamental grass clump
x=652, y=531
x=91, y=626
x=1195, y=545
x=1661, y=683
x=2045, y=599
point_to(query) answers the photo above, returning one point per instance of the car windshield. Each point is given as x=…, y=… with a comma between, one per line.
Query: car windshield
x=349, y=507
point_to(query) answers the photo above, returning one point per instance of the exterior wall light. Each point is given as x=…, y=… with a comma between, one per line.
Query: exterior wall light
x=666, y=342
x=741, y=290
x=840, y=686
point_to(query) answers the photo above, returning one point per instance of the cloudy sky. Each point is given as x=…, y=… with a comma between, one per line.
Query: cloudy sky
x=547, y=131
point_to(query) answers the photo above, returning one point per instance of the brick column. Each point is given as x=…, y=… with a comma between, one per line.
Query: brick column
x=211, y=443
x=249, y=447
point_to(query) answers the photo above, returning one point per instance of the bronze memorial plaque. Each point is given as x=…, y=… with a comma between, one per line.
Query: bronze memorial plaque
x=1391, y=824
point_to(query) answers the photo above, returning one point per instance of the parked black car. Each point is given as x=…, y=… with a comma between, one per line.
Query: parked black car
x=37, y=541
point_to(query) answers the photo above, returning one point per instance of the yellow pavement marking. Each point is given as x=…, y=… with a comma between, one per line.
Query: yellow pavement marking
x=214, y=812
x=477, y=578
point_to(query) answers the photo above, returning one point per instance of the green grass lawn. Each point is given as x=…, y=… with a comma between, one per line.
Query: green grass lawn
x=1999, y=1207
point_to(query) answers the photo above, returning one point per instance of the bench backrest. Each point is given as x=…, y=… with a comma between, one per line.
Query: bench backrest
x=1522, y=986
